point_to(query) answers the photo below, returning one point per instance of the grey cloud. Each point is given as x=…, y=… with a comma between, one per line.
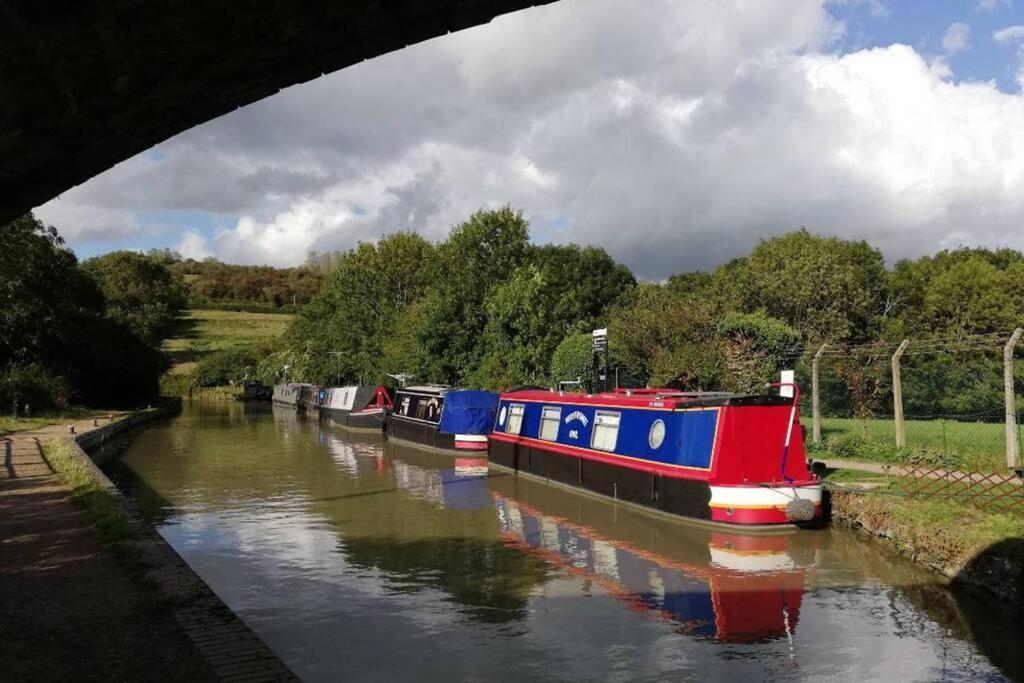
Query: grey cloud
x=675, y=134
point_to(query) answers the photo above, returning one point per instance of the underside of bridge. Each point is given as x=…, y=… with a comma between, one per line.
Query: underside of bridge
x=85, y=84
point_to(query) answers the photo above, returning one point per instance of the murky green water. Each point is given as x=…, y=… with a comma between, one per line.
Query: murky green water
x=357, y=560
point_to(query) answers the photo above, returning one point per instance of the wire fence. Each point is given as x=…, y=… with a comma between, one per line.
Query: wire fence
x=952, y=393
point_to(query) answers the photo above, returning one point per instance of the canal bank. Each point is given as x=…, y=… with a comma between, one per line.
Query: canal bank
x=80, y=607
x=976, y=550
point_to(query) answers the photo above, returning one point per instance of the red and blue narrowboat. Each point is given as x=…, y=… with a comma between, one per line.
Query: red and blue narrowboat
x=719, y=457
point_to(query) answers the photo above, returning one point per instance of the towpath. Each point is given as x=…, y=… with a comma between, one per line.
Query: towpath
x=71, y=610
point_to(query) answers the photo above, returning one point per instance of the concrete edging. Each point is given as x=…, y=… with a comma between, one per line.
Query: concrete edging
x=231, y=648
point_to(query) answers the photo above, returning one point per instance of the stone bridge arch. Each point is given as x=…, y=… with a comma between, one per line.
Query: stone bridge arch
x=85, y=84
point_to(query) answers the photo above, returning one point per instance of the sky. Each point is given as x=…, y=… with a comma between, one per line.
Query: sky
x=674, y=133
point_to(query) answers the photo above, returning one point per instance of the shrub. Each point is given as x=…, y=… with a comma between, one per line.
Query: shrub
x=225, y=367
x=32, y=384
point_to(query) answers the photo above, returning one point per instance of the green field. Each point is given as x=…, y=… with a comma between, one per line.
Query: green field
x=945, y=443
x=201, y=332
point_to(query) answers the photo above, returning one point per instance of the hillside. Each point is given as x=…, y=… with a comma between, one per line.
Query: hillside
x=201, y=332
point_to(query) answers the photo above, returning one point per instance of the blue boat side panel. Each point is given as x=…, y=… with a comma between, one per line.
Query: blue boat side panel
x=689, y=435
x=697, y=437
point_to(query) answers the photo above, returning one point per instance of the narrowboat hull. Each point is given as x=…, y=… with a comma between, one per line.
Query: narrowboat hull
x=419, y=433
x=373, y=420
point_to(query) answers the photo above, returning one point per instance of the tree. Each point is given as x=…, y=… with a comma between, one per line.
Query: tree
x=478, y=255
x=357, y=310
x=755, y=347
x=824, y=287
x=565, y=289
x=56, y=338
x=140, y=292
x=670, y=340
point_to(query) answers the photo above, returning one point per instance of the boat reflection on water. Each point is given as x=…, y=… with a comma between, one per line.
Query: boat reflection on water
x=716, y=585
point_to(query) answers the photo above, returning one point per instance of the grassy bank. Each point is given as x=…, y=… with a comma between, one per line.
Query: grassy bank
x=199, y=333
x=9, y=426
x=976, y=446
x=946, y=534
x=100, y=506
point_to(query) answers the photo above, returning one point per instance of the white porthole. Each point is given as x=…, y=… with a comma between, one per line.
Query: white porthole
x=502, y=415
x=657, y=435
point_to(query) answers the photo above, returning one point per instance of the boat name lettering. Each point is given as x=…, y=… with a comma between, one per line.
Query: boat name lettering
x=576, y=415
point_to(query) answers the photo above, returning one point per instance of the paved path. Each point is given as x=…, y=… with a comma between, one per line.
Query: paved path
x=71, y=610
x=844, y=464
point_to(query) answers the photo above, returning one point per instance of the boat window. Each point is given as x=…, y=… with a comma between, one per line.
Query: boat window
x=515, y=418
x=549, y=420
x=405, y=406
x=502, y=415
x=657, y=434
x=606, y=430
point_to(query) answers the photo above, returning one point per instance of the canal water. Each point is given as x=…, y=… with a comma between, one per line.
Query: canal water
x=355, y=559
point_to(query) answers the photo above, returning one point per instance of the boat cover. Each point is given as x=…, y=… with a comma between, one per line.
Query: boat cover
x=468, y=412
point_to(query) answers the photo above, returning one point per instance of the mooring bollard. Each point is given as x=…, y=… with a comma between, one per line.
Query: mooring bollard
x=71, y=429
x=95, y=422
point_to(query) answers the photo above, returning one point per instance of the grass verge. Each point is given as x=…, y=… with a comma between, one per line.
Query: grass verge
x=101, y=507
x=944, y=534
x=9, y=426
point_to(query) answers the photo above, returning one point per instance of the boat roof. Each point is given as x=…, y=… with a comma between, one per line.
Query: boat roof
x=427, y=389
x=648, y=398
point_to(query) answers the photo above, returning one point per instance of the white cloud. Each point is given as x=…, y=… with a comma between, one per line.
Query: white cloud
x=992, y=5
x=674, y=135
x=193, y=245
x=1009, y=34
x=957, y=38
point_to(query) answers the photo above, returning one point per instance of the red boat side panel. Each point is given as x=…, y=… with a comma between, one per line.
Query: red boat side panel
x=751, y=443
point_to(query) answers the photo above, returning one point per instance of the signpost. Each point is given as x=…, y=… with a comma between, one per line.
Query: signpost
x=600, y=345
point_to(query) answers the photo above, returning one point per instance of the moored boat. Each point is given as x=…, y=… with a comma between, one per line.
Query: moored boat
x=468, y=416
x=419, y=411
x=297, y=395
x=719, y=457
x=356, y=407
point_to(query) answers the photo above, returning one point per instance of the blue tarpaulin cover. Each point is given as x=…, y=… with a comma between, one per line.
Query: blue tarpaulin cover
x=468, y=412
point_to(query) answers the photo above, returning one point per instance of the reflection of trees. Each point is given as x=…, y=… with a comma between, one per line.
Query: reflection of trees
x=489, y=579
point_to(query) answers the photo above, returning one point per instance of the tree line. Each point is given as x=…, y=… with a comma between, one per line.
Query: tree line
x=83, y=333
x=488, y=308
x=213, y=284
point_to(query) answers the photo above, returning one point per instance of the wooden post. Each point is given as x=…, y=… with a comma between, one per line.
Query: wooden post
x=1012, y=447
x=816, y=398
x=897, y=396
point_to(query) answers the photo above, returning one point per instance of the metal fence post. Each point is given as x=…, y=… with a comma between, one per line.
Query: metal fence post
x=816, y=398
x=897, y=396
x=1012, y=445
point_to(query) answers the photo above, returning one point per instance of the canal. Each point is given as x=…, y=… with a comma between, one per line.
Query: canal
x=355, y=559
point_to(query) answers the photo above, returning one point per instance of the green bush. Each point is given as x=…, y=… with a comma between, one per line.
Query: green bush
x=225, y=367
